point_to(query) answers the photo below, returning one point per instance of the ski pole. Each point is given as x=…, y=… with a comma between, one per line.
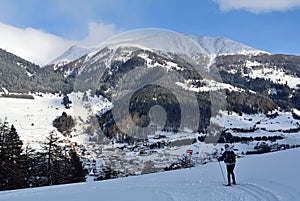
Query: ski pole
x=222, y=172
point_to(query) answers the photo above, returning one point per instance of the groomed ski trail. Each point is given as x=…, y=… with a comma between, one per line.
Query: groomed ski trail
x=257, y=192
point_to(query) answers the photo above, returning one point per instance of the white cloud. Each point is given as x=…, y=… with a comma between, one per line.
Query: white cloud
x=97, y=33
x=258, y=6
x=31, y=44
x=40, y=47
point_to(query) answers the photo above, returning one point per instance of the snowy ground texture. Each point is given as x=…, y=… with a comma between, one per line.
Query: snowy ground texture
x=273, y=176
x=33, y=118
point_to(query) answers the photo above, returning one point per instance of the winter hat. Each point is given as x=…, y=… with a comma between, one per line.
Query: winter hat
x=227, y=148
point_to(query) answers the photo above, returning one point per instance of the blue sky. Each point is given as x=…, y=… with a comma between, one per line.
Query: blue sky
x=270, y=25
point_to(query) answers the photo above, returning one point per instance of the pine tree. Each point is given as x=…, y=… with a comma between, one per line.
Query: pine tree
x=3, y=176
x=33, y=168
x=50, y=154
x=12, y=170
x=76, y=169
x=38, y=172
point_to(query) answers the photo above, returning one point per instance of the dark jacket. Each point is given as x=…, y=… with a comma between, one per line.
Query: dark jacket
x=228, y=156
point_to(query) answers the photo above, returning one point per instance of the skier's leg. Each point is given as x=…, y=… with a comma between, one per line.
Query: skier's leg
x=232, y=173
x=228, y=173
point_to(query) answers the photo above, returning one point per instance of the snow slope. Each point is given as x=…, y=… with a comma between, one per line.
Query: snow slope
x=71, y=54
x=158, y=39
x=33, y=117
x=271, y=177
x=220, y=45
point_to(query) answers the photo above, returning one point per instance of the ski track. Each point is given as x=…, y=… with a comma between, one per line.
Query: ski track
x=258, y=193
x=243, y=192
x=189, y=190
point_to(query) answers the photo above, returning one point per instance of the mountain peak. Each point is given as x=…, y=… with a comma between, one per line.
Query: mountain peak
x=164, y=41
x=73, y=53
x=221, y=45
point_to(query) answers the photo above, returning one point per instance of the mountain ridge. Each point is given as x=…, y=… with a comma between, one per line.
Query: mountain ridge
x=71, y=54
x=208, y=45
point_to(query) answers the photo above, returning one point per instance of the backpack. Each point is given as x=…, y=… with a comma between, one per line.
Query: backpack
x=230, y=157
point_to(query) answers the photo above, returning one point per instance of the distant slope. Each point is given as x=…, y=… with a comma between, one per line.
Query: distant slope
x=16, y=68
x=19, y=75
x=71, y=54
x=264, y=177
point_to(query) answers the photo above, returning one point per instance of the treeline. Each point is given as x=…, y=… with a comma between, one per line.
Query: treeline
x=227, y=137
x=269, y=95
x=24, y=168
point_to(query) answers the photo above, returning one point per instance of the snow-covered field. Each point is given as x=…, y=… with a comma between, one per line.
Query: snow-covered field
x=275, y=75
x=33, y=118
x=272, y=177
x=264, y=125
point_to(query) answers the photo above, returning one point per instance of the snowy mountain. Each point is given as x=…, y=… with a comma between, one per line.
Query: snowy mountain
x=12, y=64
x=265, y=177
x=21, y=76
x=220, y=45
x=168, y=41
x=71, y=54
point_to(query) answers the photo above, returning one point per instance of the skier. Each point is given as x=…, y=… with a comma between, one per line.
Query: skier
x=229, y=158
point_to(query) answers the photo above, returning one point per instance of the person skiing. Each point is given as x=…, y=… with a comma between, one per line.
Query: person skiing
x=229, y=158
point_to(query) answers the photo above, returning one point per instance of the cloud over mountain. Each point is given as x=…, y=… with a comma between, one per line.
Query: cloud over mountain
x=40, y=47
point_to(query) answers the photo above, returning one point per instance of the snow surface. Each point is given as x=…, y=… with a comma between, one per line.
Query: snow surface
x=272, y=177
x=33, y=117
x=284, y=121
x=220, y=45
x=276, y=76
x=168, y=41
x=209, y=85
